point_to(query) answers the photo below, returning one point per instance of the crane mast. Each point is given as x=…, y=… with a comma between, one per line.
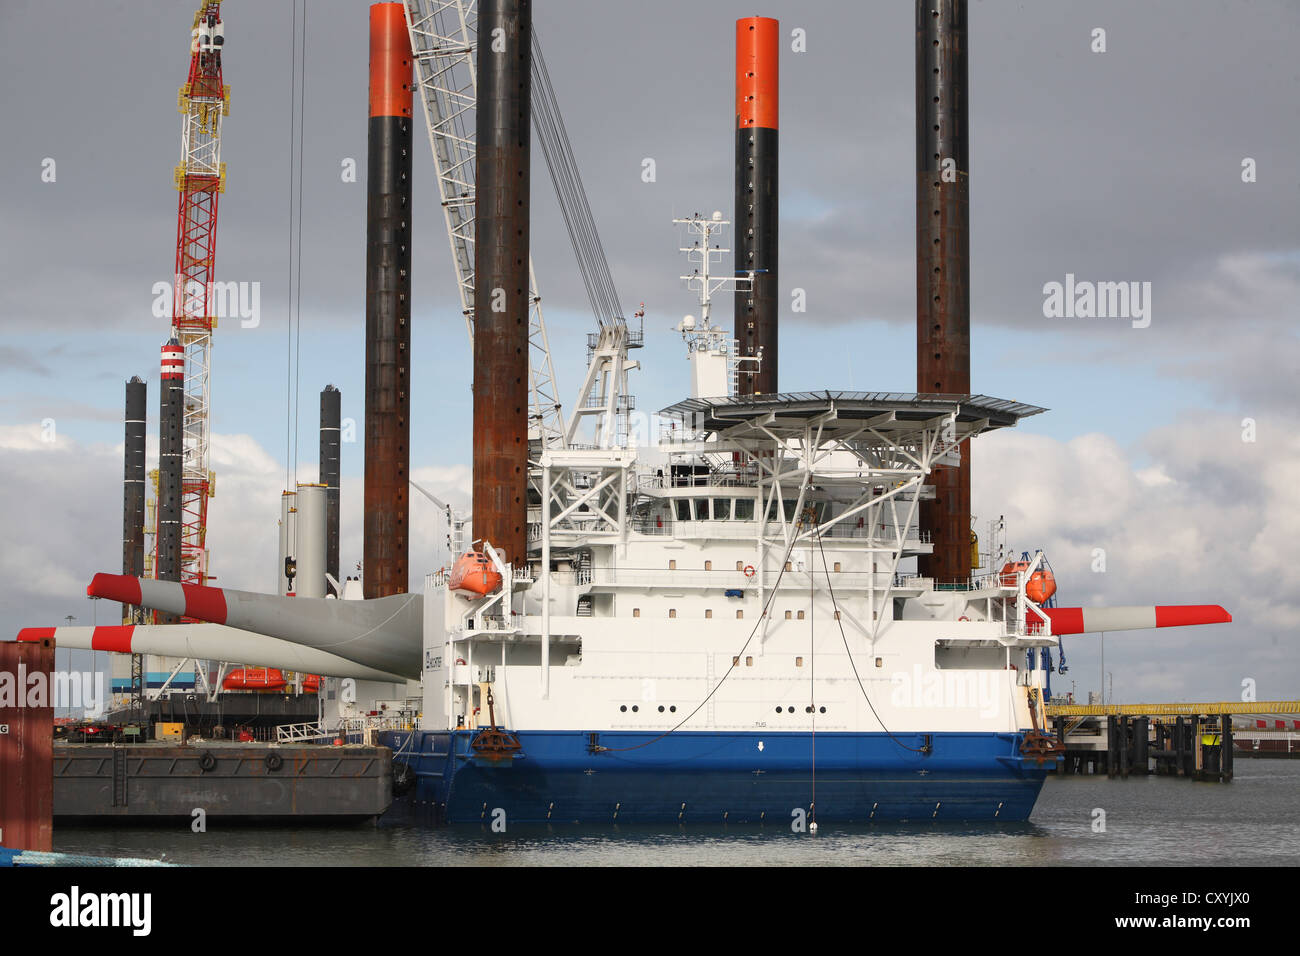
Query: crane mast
x=200, y=179
x=443, y=34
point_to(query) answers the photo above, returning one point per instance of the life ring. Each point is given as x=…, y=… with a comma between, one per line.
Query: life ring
x=207, y=762
x=274, y=762
x=963, y=618
x=749, y=571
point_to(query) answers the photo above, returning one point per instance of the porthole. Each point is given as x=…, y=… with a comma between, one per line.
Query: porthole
x=791, y=710
x=623, y=709
x=672, y=709
x=634, y=708
x=823, y=710
x=661, y=708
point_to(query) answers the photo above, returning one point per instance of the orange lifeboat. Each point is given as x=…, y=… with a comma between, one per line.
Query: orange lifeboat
x=474, y=573
x=254, y=678
x=1041, y=584
x=311, y=684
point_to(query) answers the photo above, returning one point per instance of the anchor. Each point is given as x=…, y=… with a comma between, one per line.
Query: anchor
x=1036, y=743
x=494, y=743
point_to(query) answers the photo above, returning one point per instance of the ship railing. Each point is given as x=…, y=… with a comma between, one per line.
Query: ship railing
x=488, y=622
x=732, y=478
x=306, y=732
x=662, y=526
x=978, y=582
x=314, y=730
x=729, y=578
x=737, y=529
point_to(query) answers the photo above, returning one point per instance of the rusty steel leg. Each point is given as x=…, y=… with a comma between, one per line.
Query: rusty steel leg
x=331, y=400
x=943, y=263
x=757, y=56
x=133, y=485
x=167, y=565
x=501, y=287
x=388, y=305
x=27, y=747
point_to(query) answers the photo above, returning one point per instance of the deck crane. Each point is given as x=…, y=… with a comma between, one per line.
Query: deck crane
x=443, y=36
x=200, y=178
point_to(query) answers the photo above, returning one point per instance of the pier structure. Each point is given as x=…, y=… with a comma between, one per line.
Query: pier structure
x=1194, y=740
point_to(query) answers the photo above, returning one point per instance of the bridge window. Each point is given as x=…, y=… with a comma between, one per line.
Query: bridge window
x=702, y=509
x=744, y=509
x=721, y=509
x=683, y=509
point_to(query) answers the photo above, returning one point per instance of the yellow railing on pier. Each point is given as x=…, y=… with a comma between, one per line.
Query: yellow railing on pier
x=1235, y=707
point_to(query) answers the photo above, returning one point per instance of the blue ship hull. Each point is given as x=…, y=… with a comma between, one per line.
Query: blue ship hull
x=737, y=777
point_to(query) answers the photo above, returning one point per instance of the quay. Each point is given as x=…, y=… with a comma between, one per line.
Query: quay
x=1194, y=740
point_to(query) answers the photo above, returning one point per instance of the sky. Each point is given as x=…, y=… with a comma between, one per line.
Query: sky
x=1171, y=157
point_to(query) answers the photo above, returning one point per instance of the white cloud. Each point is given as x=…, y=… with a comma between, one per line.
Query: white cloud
x=62, y=518
x=1204, y=518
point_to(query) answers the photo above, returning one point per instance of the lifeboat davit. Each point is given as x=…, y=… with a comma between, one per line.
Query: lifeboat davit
x=254, y=678
x=1041, y=584
x=474, y=573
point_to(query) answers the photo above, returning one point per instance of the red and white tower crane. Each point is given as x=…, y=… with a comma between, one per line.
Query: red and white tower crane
x=200, y=180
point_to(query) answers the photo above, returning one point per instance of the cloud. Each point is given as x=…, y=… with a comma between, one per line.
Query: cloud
x=1190, y=515
x=62, y=519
